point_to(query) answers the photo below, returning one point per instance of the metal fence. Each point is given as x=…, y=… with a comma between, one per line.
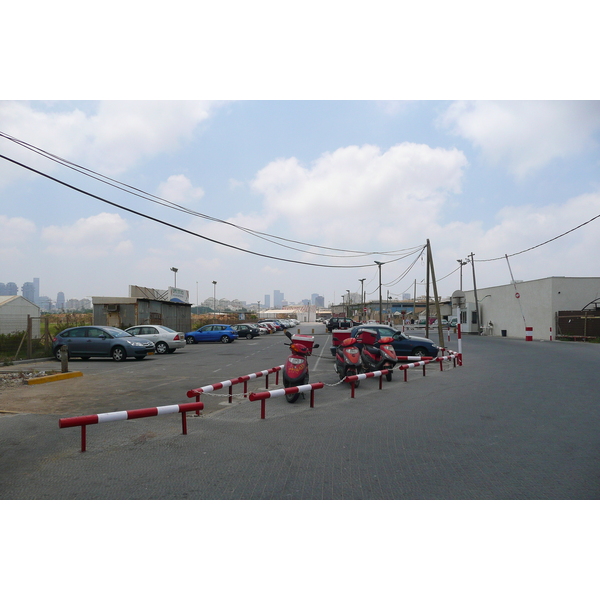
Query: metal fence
x=583, y=324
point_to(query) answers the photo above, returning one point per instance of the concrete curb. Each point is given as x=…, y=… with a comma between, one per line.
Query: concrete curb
x=57, y=377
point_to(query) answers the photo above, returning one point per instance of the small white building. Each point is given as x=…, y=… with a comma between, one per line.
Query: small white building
x=14, y=311
x=507, y=309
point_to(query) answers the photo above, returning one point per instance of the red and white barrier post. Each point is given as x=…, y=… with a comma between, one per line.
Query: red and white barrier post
x=126, y=415
x=460, y=356
x=262, y=396
x=529, y=334
x=195, y=393
x=352, y=379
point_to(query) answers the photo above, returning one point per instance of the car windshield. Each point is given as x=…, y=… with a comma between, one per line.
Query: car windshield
x=117, y=332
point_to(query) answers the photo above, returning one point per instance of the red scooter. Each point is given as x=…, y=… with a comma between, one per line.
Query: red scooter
x=377, y=354
x=348, y=360
x=295, y=370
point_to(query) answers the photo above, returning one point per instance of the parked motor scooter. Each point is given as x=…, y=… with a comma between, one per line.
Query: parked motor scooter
x=295, y=370
x=347, y=359
x=377, y=354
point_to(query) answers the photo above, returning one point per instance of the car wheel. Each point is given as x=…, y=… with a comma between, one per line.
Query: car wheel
x=419, y=351
x=225, y=339
x=161, y=348
x=118, y=353
x=190, y=340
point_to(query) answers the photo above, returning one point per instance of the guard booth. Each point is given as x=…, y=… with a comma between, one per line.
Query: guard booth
x=465, y=312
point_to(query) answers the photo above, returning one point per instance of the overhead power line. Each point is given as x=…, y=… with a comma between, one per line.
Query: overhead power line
x=182, y=229
x=174, y=206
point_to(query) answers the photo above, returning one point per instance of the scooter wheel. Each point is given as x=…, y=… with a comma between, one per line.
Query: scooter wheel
x=388, y=376
x=291, y=398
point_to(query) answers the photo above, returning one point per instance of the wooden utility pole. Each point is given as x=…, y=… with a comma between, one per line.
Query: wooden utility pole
x=475, y=292
x=435, y=294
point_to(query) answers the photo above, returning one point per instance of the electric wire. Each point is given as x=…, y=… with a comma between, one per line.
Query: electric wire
x=182, y=229
x=169, y=204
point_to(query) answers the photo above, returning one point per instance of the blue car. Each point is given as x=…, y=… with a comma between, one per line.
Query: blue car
x=212, y=333
x=404, y=345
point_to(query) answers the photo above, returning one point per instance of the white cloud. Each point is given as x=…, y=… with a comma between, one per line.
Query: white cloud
x=525, y=135
x=179, y=189
x=359, y=195
x=96, y=236
x=15, y=230
x=116, y=136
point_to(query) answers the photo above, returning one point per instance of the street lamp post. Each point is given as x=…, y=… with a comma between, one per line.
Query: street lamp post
x=175, y=273
x=258, y=310
x=380, y=309
x=348, y=304
x=362, y=299
x=462, y=263
x=214, y=298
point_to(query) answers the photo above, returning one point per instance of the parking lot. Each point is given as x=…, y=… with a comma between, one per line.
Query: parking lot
x=518, y=421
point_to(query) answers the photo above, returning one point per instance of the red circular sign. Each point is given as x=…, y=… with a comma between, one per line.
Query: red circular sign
x=517, y=295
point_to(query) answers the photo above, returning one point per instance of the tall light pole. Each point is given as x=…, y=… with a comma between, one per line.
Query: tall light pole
x=462, y=263
x=214, y=298
x=258, y=310
x=362, y=299
x=175, y=273
x=348, y=303
x=380, y=309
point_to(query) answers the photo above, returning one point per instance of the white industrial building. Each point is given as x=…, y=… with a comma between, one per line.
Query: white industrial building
x=14, y=311
x=507, y=309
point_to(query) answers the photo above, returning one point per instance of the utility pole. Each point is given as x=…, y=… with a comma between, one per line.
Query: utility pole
x=362, y=299
x=415, y=303
x=435, y=293
x=475, y=291
x=380, y=308
x=348, y=307
x=427, y=296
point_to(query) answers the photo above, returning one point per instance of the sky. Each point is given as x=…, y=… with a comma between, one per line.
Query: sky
x=312, y=148
x=339, y=184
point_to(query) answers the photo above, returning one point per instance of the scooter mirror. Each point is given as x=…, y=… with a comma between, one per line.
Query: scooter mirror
x=315, y=345
x=288, y=334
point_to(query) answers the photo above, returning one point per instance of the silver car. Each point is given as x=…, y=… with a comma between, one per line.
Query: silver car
x=166, y=340
x=97, y=340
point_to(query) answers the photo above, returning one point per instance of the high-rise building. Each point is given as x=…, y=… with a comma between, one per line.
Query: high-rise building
x=36, y=291
x=267, y=303
x=317, y=300
x=60, y=301
x=12, y=289
x=28, y=291
x=277, y=299
x=3, y=291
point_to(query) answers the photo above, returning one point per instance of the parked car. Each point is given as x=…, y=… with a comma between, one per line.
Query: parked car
x=166, y=340
x=262, y=329
x=270, y=326
x=339, y=323
x=96, y=340
x=245, y=330
x=275, y=322
x=212, y=333
x=404, y=345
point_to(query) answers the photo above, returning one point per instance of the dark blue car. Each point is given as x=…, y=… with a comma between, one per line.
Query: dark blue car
x=212, y=333
x=404, y=345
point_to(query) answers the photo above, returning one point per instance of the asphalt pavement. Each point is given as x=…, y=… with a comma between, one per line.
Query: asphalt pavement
x=519, y=420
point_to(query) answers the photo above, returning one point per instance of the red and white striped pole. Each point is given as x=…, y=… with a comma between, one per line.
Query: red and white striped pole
x=460, y=356
x=529, y=334
x=550, y=333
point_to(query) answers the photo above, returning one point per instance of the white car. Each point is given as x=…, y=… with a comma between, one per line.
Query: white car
x=165, y=339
